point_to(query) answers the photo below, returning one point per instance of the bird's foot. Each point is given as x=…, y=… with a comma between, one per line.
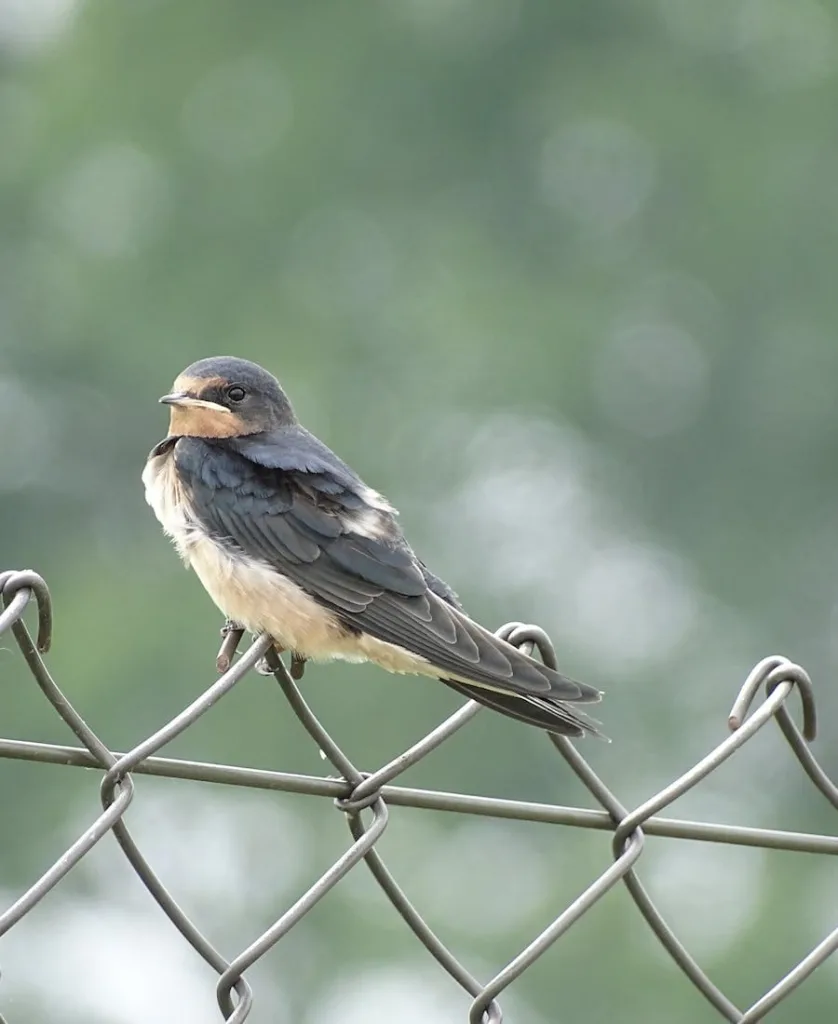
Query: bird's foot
x=262, y=666
x=295, y=669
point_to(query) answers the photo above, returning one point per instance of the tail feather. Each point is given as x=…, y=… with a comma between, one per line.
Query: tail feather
x=542, y=712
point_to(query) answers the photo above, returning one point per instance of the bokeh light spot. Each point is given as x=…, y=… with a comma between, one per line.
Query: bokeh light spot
x=111, y=204
x=651, y=379
x=239, y=112
x=597, y=172
x=23, y=418
x=28, y=26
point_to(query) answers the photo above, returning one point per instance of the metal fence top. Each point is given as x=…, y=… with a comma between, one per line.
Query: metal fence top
x=363, y=798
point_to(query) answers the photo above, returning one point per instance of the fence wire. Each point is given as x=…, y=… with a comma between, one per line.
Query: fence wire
x=357, y=792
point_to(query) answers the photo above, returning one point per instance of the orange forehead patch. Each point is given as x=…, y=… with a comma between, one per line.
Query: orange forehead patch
x=196, y=385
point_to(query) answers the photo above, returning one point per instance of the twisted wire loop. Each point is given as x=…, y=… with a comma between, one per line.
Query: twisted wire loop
x=117, y=788
x=364, y=791
x=364, y=798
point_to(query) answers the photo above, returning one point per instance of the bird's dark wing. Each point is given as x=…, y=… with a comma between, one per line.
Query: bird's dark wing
x=542, y=712
x=287, y=500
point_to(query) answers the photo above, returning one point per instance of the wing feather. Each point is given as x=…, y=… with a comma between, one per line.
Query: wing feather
x=288, y=501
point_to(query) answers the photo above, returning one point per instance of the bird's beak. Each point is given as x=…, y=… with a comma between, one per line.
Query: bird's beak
x=180, y=398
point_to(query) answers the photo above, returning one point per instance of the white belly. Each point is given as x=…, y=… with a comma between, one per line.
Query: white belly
x=257, y=596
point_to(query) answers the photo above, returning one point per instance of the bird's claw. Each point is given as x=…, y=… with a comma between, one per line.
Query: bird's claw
x=232, y=633
x=295, y=669
x=262, y=666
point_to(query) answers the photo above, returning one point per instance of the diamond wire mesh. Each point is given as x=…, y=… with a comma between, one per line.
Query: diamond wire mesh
x=357, y=792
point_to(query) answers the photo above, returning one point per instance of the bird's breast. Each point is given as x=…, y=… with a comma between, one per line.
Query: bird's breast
x=248, y=591
x=256, y=595
x=165, y=493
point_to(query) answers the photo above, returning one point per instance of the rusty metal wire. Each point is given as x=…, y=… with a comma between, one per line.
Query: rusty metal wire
x=357, y=793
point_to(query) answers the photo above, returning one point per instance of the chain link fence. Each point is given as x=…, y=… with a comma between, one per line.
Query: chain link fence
x=363, y=799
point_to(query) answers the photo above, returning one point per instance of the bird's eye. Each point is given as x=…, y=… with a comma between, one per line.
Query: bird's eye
x=236, y=393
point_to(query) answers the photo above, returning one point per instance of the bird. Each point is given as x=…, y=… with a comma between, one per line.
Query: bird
x=289, y=541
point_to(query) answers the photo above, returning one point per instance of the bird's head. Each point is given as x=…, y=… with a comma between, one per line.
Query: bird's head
x=226, y=397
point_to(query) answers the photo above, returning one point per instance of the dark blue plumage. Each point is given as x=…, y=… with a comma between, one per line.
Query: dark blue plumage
x=270, y=492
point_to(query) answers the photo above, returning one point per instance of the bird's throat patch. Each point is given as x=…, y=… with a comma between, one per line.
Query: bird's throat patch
x=199, y=421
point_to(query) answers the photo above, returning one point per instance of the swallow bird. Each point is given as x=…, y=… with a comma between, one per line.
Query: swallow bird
x=289, y=541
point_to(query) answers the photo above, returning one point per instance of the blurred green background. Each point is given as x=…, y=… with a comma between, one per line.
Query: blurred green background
x=559, y=279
